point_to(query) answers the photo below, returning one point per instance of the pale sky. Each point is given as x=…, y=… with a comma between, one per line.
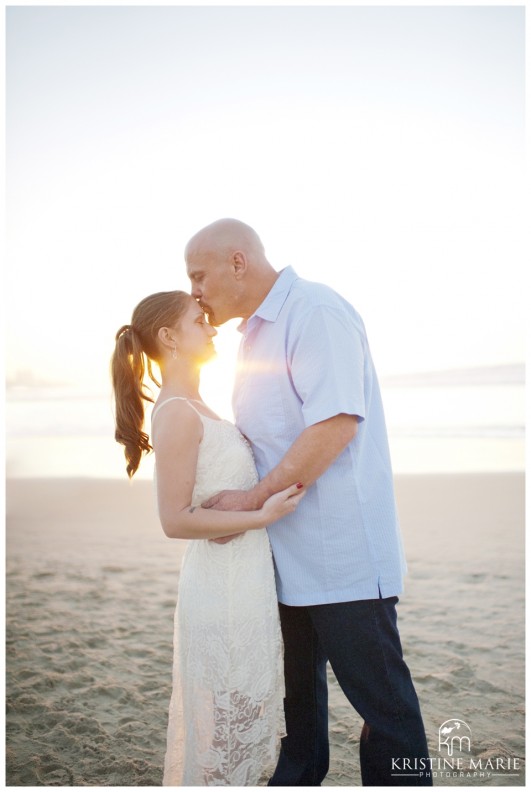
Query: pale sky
x=377, y=149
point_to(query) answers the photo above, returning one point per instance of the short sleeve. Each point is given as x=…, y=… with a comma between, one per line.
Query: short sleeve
x=327, y=358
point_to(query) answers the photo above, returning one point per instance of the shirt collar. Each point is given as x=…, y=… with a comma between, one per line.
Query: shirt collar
x=270, y=308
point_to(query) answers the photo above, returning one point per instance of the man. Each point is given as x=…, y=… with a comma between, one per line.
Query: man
x=307, y=398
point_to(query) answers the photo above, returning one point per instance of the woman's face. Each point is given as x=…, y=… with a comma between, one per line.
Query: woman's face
x=194, y=335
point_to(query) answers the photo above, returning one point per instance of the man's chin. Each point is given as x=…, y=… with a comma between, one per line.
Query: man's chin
x=209, y=315
x=213, y=320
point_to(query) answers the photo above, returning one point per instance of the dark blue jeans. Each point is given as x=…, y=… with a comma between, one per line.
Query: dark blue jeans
x=361, y=641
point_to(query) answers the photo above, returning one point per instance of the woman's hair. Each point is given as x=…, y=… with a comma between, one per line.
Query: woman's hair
x=137, y=346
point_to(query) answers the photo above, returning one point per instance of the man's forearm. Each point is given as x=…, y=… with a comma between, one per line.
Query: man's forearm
x=309, y=457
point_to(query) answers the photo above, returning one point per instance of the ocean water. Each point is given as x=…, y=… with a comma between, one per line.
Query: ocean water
x=446, y=424
x=92, y=585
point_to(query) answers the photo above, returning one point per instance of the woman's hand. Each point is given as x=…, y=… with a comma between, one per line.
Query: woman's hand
x=282, y=503
x=278, y=505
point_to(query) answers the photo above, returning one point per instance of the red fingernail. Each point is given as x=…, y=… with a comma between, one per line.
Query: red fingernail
x=300, y=486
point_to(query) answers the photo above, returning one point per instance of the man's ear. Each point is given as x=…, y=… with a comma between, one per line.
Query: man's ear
x=239, y=262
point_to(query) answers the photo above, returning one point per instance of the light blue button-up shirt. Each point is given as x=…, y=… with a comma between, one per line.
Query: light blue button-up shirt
x=303, y=358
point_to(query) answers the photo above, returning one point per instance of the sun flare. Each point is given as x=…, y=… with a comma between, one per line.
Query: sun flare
x=217, y=376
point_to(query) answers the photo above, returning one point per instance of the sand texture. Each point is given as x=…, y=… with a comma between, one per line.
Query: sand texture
x=91, y=590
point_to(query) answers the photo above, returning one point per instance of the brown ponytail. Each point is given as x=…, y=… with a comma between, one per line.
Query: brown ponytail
x=136, y=348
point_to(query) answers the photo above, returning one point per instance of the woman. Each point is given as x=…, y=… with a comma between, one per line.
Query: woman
x=226, y=711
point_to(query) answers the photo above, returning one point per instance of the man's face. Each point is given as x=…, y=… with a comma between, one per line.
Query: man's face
x=213, y=286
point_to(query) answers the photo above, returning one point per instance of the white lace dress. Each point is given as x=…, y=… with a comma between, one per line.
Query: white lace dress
x=226, y=712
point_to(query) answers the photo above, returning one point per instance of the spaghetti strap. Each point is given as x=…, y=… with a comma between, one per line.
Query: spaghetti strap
x=172, y=398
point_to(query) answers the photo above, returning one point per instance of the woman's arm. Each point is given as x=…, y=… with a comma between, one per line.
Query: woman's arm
x=176, y=444
x=197, y=523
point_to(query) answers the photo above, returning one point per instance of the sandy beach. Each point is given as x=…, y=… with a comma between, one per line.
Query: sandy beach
x=91, y=590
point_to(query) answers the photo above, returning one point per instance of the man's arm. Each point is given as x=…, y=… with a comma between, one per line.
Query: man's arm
x=306, y=460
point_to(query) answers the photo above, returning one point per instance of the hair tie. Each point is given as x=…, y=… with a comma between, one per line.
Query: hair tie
x=126, y=330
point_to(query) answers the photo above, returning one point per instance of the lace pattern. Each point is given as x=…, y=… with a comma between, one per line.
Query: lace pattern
x=226, y=712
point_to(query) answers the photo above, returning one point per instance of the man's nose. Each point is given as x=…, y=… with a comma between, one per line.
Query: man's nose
x=196, y=292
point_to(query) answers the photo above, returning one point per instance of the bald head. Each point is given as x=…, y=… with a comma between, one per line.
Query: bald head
x=224, y=238
x=228, y=270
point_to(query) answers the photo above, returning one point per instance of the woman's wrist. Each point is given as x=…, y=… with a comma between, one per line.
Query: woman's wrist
x=259, y=519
